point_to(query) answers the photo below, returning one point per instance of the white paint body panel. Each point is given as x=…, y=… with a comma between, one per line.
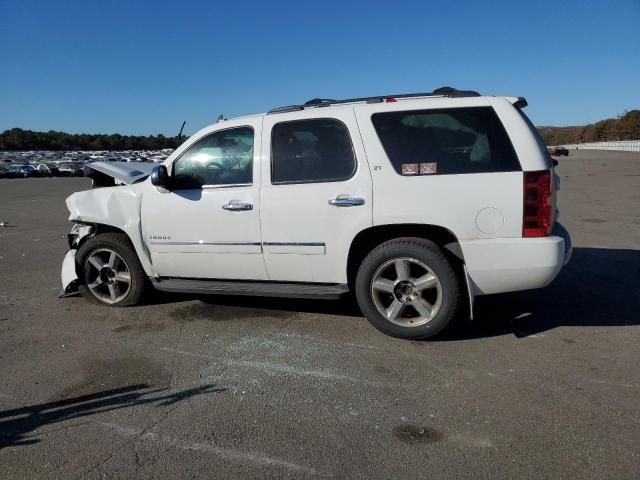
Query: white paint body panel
x=506, y=265
x=301, y=214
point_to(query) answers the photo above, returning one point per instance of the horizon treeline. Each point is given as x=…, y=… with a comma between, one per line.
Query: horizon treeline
x=19, y=139
x=625, y=127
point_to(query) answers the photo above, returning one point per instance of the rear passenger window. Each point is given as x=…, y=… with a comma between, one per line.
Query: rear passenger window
x=447, y=141
x=307, y=151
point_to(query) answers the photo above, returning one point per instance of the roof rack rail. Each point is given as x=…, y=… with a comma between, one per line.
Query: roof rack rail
x=325, y=102
x=288, y=108
x=319, y=101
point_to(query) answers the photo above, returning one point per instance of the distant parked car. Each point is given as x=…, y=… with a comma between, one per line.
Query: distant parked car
x=48, y=170
x=557, y=151
x=15, y=171
x=29, y=171
x=71, y=169
x=65, y=171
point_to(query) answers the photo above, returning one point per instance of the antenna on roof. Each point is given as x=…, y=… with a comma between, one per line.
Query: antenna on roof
x=220, y=118
x=180, y=133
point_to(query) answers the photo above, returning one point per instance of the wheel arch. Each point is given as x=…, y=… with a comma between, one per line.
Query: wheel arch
x=97, y=228
x=366, y=240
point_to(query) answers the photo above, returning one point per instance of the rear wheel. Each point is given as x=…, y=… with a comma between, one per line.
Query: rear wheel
x=407, y=288
x=109, y=271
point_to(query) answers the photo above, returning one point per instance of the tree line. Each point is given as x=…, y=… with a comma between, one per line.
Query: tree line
x=625, y=127
x=19, y=139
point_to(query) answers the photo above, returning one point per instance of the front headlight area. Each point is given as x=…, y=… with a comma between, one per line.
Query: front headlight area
x=77, y=233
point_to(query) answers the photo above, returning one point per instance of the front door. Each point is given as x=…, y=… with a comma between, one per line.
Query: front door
x=316, y=194
x=208, y=225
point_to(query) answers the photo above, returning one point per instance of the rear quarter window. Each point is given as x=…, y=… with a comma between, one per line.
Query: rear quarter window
x=446, y=141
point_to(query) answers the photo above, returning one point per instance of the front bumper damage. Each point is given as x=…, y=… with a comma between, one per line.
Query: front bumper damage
x=69, y=274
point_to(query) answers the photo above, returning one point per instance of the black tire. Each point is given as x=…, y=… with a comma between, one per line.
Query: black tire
x=120, y=244
x=429, y=254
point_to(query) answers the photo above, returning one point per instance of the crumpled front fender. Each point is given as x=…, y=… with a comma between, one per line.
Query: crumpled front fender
x=118, y=207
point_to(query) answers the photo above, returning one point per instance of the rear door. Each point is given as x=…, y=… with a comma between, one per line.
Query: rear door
x=316, y=194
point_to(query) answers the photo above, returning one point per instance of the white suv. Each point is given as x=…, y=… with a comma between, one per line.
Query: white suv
x=415, y=202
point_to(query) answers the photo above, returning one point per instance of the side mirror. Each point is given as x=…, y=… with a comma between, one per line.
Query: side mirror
x=160, y=177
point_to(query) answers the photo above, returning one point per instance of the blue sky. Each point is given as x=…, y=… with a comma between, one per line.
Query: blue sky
x=141, y=67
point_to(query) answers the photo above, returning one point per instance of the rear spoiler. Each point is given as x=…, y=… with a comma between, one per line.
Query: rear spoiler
x=518, y=102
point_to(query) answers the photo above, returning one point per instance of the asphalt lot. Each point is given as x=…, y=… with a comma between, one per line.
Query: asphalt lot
x=544, y=384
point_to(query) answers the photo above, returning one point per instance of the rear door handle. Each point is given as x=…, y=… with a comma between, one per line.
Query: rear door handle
x=237, y=205
x=346, y=201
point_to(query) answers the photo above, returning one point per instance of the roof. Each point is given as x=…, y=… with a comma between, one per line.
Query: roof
x=325, y=102
x=443, y=92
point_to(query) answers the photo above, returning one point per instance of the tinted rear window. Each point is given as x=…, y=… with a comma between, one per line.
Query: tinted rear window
x=446, y=141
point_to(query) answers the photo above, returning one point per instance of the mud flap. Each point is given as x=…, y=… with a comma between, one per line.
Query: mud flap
x=470, y=291
x=68, y=275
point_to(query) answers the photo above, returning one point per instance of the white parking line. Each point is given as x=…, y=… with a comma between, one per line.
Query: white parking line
x=238, y=456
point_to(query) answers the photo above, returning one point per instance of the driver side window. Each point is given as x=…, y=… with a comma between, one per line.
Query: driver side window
x=221, y=158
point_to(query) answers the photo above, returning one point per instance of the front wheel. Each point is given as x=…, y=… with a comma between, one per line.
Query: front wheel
x=109, y=271
x=407, y=288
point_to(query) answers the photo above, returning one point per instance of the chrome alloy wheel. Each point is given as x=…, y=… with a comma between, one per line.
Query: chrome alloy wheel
x=107, y=275
x=406, y=292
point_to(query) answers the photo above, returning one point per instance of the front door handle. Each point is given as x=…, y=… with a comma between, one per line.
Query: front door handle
x=237, y=205
x=346, y=201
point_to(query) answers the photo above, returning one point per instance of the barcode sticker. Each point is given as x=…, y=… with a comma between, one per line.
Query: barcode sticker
x=428, y=168
x=409, y=169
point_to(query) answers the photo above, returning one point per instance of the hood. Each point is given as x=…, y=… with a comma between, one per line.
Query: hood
x=106, y=174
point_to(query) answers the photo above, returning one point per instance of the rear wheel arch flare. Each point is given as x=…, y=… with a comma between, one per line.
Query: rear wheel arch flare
x=366, y=240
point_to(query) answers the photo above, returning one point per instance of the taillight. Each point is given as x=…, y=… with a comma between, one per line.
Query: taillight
x=537, y=211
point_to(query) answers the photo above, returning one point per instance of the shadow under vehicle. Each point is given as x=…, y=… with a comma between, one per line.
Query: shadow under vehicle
x=612, y=276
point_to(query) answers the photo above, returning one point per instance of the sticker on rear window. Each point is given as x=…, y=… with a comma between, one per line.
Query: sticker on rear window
x=409, y=169
x=428, y=168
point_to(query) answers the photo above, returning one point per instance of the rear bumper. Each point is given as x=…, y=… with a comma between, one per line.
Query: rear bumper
x=509, y=264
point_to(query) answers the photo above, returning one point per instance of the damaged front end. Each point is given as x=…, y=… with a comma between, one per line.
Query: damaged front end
x=69, y=275
x=112, y=205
